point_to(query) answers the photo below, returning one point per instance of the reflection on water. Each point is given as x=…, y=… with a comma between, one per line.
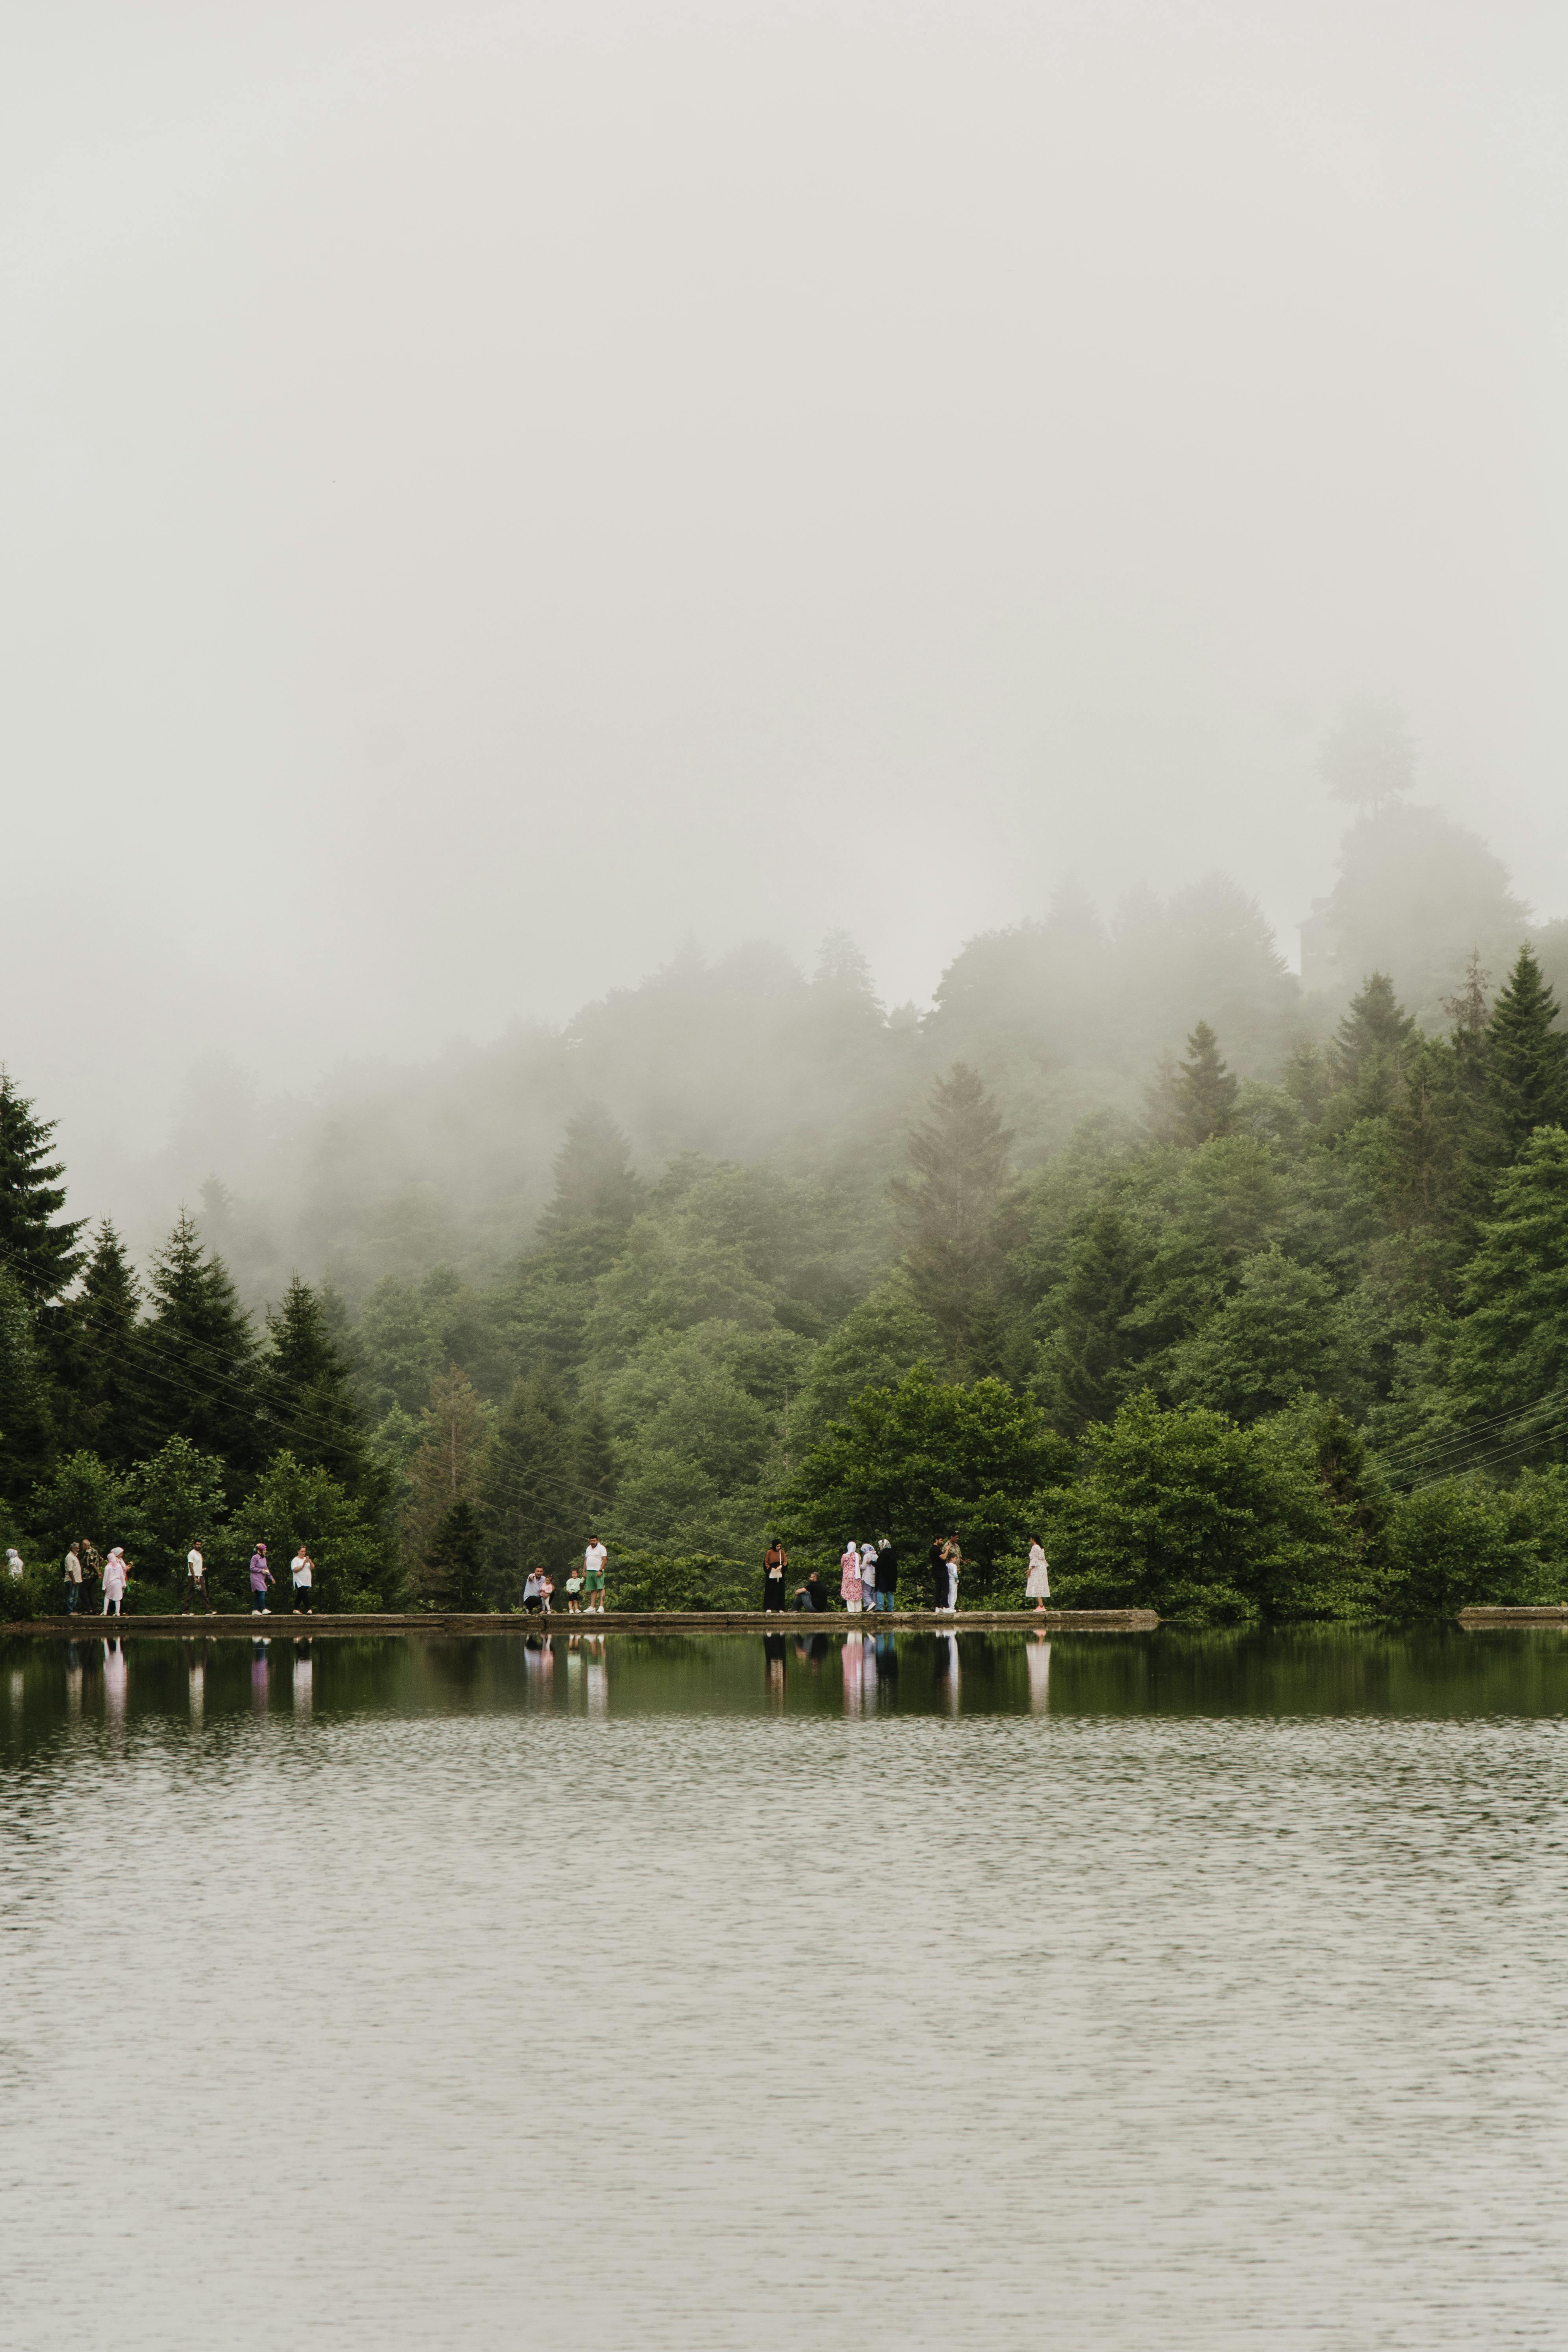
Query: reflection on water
x=517, y=1994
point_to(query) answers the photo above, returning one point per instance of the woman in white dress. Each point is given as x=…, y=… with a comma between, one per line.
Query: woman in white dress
x=1039, y=1587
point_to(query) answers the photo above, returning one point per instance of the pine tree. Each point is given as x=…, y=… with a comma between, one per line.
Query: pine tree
x=948, y=1216
x=1368, y=1053
x=452, y=1571
x=446, y=1465
x=593, y=1460
x=26, y=1432
x=196, y=1361
x=1194, y=1100
x=1509, y=1352
x=97, y=1404
x=40, y=1254
x=306, y=1389
x=1526, y=1058
x=1094, y=1341
x=596, y=1184
x=531, y=1495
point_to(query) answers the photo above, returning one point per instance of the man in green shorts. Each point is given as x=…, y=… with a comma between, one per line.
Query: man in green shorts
x=594, y=1561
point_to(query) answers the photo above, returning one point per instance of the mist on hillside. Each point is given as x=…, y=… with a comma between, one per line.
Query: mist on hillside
x=507, y=501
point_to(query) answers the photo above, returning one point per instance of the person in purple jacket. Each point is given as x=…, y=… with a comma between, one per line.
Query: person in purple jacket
x=260, y=1578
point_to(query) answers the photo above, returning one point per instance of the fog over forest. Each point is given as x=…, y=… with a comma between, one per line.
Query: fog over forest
x=713, y=714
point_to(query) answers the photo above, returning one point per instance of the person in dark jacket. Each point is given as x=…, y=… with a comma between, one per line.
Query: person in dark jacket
x=886, y=1572
x=810, y=1595
x=939, y=1572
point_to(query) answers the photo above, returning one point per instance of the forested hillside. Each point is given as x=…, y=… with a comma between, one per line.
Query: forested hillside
x=1252, y=1299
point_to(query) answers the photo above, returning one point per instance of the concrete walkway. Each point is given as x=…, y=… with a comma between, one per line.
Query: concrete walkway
x=614, y=1620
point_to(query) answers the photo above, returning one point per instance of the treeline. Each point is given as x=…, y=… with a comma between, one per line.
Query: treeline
x=1285, y=1344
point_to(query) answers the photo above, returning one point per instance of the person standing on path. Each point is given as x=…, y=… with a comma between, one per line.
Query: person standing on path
x=116, y=1577
x=1039, y=1587
x=937, y=1573
x=73, y=1582
x=775, y=1560
x=92, y=1565
x=849, y=1578
x=887, y=1573
x=869, y=1578
x=262, y=1576
x=303, y=1570
x=195, y=1594
x=574, y=1592
x=954, y=1561
x=594, y=1561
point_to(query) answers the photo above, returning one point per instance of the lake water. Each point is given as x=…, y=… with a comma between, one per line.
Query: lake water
x=1127, y=1991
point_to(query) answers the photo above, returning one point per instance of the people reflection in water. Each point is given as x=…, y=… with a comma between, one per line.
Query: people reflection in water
x=258, y=1673
x=304, y=1678
x=197, y=1693
x=854, y=1688
x=597, y=1670
x=1037, y=1654
x=947, y=1670
x=114, y=1678
x=774, y=1657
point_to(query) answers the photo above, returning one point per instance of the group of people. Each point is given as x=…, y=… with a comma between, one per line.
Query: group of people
x=868, y=1576
x=83, y=1567
x=584, y=1586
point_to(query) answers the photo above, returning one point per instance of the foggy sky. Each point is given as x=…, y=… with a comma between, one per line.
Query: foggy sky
x=494, y=491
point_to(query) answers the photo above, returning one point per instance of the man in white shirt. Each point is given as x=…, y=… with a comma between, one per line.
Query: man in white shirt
x=302, y=1569
x=594, y=1561
x=196, y=1594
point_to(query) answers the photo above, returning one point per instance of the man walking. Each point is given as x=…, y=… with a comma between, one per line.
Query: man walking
x=195, y=1595
x=594, y=1561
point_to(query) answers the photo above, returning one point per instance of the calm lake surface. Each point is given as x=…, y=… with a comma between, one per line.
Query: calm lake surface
x=1124, y=1990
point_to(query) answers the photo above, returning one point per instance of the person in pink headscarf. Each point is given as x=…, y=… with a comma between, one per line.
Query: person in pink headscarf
x=116, y=1577
x=849, y=1578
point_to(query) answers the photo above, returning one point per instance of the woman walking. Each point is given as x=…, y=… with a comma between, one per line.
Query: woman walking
x=1039, y=1587
x=262, y=1576
x=116, y=1577
x=775, y=1560
x=849, y=1578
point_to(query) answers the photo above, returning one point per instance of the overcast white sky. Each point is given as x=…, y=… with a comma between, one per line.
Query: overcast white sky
x=490, y=490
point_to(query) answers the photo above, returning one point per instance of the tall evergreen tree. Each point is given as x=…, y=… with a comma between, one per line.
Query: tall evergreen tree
x=1195, y=1099
x=1094, y=1342
x=39, y=1250
x=593, y=1460
x=948, y=1212
x=453, y=1569
x=446, y=1465
x=195, y=1360
x=531, y=1496
x=1526, y=1058
x=596, y=1184
x=305, y=1391
x=27, y=1431
x=98, y=1397
x=1510, y=1351
x=1368, y=1053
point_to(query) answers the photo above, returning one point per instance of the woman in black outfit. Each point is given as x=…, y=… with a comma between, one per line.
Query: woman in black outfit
x=937, y=1573
x=775, y=1560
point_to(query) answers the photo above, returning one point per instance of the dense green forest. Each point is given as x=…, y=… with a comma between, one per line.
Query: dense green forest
x=1267, y=1318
